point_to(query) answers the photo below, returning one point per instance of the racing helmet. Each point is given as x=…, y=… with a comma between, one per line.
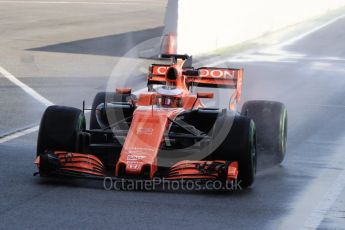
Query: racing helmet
x=169, y=96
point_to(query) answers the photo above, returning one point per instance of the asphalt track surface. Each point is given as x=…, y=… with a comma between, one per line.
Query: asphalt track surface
x=67, y=51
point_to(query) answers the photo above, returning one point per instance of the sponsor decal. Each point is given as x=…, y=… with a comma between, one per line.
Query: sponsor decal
x=160, y=70
x=139, y=151
x=135, y=157
x=147, y=131
x=132, y=165
x=204, y=72
x=218, y=73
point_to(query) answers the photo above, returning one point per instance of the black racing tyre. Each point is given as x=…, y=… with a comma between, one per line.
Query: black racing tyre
x=101, y=97
x=240, y=145
x=247, y=159
x=59, y=129
x=271, y=126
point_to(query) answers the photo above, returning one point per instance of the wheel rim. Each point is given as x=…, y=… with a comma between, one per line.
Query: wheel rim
x=254, y=156
x=283, y=134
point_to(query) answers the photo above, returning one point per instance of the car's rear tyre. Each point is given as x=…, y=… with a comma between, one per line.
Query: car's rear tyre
x=59, y=129
x=240, y=145
x=103, y=97
x=271, y=127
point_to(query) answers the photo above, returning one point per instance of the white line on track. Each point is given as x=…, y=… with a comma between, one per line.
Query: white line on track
x=35, y=95
x=276, y=53
x=18, y=134
x=330, y=195
x=303, y=35
x=311, y=206
x=25, y=87
x=315, y=219
x=30, y=92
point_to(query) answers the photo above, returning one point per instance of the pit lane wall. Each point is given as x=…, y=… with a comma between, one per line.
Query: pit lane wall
x=207, y=25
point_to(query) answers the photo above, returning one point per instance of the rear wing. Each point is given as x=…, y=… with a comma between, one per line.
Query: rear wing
x=217, y=77
x=220, y=78
x=157, y=74
x=207, y=77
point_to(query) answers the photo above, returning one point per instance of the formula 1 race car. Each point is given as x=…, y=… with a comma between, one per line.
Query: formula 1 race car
x=166, y=132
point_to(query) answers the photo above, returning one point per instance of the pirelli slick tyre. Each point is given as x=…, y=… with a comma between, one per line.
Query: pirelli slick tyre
x=59, y=129
x=102, y=97
x=240, y=145
x=271, y=123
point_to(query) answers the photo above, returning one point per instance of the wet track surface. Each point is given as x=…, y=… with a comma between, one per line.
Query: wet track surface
x=309, y=79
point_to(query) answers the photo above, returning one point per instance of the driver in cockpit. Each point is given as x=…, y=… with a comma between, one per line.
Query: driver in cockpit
x=169, y=96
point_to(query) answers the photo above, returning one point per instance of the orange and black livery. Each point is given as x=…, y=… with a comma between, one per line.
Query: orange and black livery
x=167, y=132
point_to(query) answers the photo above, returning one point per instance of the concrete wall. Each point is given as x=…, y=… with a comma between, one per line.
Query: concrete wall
x=206, y=25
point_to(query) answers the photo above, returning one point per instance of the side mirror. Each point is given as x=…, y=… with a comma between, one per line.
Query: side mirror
x=207, y=95
x=123, y=90
x=191, y=72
